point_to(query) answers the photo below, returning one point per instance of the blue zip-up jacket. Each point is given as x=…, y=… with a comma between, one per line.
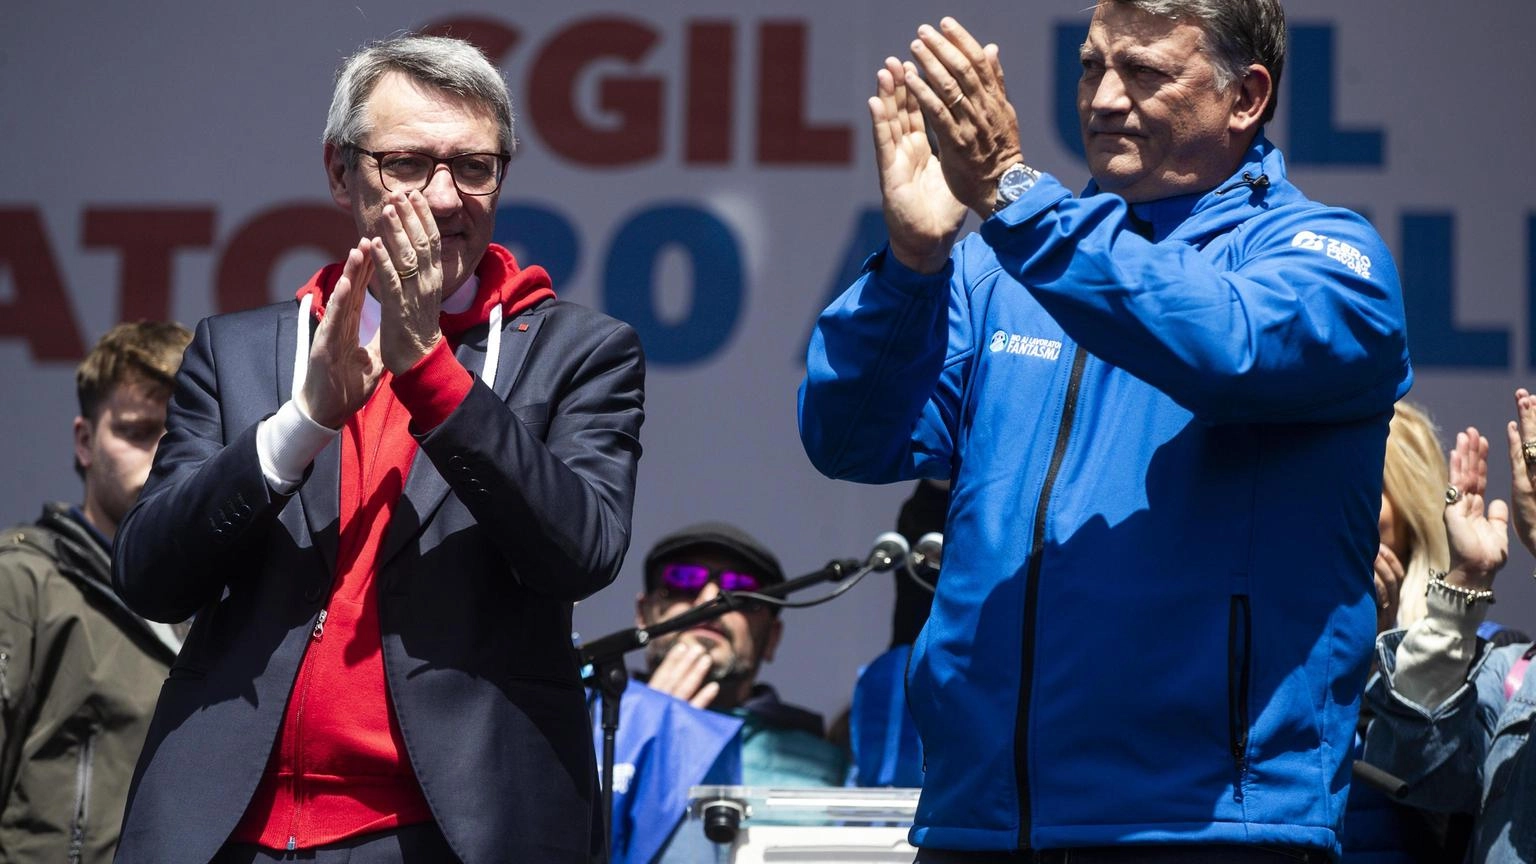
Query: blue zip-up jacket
x=1174, y=438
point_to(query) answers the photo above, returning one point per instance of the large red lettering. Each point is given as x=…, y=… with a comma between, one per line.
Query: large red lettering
x=254, y=251
x=711, y=86
x=635, y=101
x=146, y=239
x=38, y=312
x=783, y=135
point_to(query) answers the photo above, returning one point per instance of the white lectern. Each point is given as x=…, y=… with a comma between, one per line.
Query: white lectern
x=759, y=825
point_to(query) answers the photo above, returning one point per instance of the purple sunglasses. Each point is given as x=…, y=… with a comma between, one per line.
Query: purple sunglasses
x=690, y=579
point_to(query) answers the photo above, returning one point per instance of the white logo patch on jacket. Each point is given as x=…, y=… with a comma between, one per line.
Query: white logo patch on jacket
x=1029, y=346
x=1338, y=250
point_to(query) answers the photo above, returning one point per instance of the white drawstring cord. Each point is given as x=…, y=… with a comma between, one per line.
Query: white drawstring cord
x=492, y=348
x=301, y=347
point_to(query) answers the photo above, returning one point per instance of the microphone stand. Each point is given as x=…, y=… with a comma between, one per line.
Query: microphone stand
x=606, y=656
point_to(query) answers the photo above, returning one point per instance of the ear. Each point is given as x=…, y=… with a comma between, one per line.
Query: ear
x=771, y=644
x=338, y=177
x=1253, y=95
x=641, y=618
x=83, y=435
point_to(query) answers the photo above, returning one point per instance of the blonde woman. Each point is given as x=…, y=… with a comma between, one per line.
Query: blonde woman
x=1412, y=527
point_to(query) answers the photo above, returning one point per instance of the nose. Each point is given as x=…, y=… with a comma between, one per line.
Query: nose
x=1110, y=96
x=440, y=192
x=710, y=591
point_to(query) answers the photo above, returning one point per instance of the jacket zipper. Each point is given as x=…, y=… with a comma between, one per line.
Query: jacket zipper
x=82, y=798
x=298, y=722
x=1239, y=651
x=1032, y=591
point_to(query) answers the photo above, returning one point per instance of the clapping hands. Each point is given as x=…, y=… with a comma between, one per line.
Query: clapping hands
x=1476, y=530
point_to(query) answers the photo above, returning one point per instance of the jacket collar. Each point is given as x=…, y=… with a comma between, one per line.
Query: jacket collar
x=1260, y=183
x=84, y=557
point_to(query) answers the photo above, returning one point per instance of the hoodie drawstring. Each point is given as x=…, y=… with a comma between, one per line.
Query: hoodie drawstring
x=301, y=347
x=492, y=348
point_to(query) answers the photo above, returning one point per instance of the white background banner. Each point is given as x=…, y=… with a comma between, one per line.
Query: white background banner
x=705, y=174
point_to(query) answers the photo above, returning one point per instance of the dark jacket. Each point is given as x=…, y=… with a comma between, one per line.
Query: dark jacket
x=78, y=676
x=516, y=505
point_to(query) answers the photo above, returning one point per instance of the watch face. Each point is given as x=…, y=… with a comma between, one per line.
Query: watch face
x=1015, y=182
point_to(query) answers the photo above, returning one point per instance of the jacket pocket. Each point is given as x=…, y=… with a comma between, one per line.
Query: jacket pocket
x=534, y=416
x=1239, y=681
x=81, y=814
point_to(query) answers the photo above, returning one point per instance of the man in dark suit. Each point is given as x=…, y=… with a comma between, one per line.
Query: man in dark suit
x=381, y=520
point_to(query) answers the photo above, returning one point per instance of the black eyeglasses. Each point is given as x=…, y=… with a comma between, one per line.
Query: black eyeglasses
x=408, y=171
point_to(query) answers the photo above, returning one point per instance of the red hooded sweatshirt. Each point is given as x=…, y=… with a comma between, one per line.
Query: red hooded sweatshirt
x=339, y=767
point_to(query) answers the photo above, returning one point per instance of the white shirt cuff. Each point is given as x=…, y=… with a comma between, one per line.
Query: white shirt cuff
x=1437, y=651
x=286, y=443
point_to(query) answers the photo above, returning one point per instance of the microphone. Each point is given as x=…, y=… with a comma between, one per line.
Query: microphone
x=890, y=550
x=928, y=555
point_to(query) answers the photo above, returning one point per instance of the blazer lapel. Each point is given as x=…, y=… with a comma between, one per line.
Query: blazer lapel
x=425, y=488
x=320, y=493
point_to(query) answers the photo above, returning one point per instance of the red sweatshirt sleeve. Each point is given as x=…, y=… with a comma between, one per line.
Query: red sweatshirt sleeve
x=433, y=388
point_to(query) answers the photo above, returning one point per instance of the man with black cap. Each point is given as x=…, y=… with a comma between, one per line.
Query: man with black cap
x=705, y=719
x=715, y=665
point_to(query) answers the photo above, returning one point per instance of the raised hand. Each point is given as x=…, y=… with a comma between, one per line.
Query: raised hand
x=961, y=91
x=922, y=218
x=1522, y=431
x=341, y=374
x=683, y=672
x=408, y=264
x=1478, y=535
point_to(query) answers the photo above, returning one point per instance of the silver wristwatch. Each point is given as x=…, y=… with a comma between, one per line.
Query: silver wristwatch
x=1016, y=180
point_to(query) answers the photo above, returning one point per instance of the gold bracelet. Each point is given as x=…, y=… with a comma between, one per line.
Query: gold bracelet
x=1467, y=596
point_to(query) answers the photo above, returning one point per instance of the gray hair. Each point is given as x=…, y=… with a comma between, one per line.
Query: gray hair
x=1240, y=33
x=448, y=64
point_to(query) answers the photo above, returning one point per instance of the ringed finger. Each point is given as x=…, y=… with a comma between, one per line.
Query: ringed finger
x=423, y=231
x=936, y=81
x=385, y=269
x=395, y=243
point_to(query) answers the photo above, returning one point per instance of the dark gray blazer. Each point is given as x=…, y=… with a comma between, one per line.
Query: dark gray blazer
x=516, y=506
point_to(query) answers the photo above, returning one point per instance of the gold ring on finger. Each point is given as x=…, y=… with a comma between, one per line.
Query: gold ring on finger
x=956, y=101
x=1528, y=450
x=1452, y=495
x=409, y=273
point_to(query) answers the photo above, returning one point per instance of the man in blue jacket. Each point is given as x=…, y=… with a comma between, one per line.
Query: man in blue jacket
x=1164, y=406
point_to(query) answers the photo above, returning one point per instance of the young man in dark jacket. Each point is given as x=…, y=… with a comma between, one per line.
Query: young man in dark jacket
x=79, y=672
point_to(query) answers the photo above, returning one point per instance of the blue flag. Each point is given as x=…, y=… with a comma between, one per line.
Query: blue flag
x=663, y=747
